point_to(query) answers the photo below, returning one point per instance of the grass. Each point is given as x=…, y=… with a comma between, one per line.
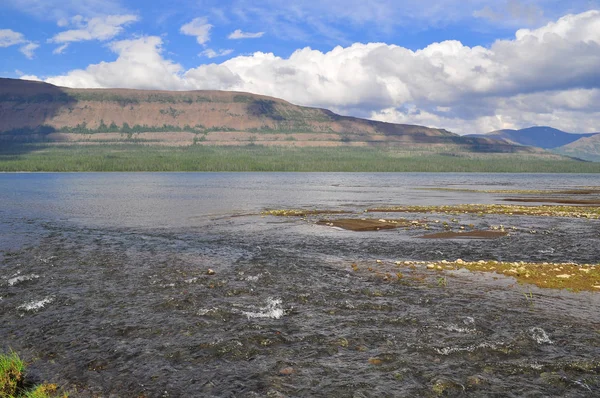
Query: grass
x=12, y=383
x=138, y=157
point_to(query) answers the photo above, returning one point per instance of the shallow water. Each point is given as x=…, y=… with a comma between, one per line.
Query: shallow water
x=104, y=289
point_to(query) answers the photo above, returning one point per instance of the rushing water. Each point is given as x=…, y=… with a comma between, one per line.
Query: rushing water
x=105, y=289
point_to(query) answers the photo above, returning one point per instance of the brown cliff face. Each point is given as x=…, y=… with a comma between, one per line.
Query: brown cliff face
x=33, y=111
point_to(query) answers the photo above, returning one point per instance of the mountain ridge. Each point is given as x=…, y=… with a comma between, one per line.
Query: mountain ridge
x=538, y=136
x=36, y=111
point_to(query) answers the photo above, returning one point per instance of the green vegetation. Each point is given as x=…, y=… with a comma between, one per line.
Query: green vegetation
x=137, y=157
x=59, y=97
x=12, y=384
x=82, y=128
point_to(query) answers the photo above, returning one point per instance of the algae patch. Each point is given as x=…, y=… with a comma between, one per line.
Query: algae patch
x=299, y=212
x=544, y=210
x=572, y=276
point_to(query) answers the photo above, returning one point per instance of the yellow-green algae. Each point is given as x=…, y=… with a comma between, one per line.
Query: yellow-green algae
x=299, y=212
x=575, y=191
x=12, y=384
x=544, y=210
x=576, y=277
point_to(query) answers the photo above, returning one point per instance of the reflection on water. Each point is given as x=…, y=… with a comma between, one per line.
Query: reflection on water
x=105, y=286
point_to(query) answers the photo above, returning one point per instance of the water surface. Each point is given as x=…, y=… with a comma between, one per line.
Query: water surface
x=105, y=288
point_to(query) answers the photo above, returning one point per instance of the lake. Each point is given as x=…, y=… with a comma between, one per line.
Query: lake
x=175, y=284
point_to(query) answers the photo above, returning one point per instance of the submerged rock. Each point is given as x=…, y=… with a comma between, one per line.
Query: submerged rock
x=286, y=371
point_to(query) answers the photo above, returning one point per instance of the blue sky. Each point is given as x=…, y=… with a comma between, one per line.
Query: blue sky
x=468, y=66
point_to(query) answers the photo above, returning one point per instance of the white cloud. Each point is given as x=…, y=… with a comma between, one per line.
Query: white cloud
x=9, y=38
x=333, y=19
x=548, y=75
x=60, y=49
x=28, y=49
x=30, y=77
x=97, y=28
x=210, y=53
x=139, y=64
x=569, y=110
x=238, y=34
x=198, y=27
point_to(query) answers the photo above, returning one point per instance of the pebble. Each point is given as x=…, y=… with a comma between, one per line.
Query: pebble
x=286, y=371
x=430, y=266
x=459, y=261
x=563, y=276
x=210, y=271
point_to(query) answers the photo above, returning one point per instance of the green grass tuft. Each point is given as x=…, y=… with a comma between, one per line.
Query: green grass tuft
x=12, y=369
x=11, y=374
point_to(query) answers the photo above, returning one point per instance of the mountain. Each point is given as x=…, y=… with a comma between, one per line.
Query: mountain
x=40, y=112
x=587, y=148
x=540, y=136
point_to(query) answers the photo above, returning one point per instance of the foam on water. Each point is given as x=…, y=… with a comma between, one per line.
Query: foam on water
x=272, y=310
x=470, y=348
x=539, y=335
x=21, y=278
x=36, y=305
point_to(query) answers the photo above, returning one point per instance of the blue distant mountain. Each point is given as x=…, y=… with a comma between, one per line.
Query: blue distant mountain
x=539, y=136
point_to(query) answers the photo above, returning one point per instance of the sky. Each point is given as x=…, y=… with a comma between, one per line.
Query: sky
x=468, y=66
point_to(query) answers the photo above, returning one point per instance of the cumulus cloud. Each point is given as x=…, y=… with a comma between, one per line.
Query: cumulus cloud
x=210, y=53
x=198, y=27
x=238, y=34
x=9, y=38
x=30, y=77
x=139, y=65
x=97, y=28
x=547, y=75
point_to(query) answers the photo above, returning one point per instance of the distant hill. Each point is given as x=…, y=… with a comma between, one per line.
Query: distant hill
x=587, y=148
x=541, y=137
x=35, y=111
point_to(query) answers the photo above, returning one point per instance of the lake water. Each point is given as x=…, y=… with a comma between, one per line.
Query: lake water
x=104, y=287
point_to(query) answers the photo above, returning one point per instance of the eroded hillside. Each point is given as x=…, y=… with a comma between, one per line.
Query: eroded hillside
x=35, y=111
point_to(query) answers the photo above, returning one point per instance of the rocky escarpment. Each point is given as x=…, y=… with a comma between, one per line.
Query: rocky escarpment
x=36, y=111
